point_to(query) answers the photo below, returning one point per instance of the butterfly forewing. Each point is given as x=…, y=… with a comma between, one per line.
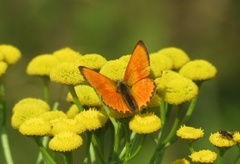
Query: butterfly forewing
x=138, y=66
x=106, y=88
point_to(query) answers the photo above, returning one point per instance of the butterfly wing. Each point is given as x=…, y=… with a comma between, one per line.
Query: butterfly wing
x=138, y=66
x=106, y=88
x=142, y=92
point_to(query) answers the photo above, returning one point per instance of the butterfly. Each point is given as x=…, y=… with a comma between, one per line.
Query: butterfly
x=134, y=92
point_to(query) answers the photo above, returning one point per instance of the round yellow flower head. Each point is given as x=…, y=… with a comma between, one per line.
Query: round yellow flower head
x=178, y=56
x=65, y=141
x=92, y=119
x=52, y=115
x=42, y=65
x=66, y=55
x=125, y=58
x=64, y=124
x=114, y=69
x=236, y=137
x=222, y=139
x=92, y=61
x=23, y=111
x=1, y=56
x=3, y=68
x=189, y=133
x=179, y=91
x=198, y=70
x=159, y=63
x=181, y=161
x=35, y=127
x=66, y=73
x=11, y=53
x=145, y=123
x=203, y=156
x=165, y=78
x=72, y=111
x=87, y=96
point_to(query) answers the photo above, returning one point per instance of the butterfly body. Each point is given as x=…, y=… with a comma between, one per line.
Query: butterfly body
x=131, y=94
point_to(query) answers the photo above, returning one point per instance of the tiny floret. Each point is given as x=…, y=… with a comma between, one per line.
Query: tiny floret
x=189, y=133
x=203, y=156
x=11, y=54
x=145, y=123
x=236, y=137
x=42, y=65
x=198, y=70
x=65, y=141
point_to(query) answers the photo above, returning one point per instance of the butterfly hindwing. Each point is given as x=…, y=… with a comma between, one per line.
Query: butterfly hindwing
x=106, y=88
x=138, y=66
x=142, y=92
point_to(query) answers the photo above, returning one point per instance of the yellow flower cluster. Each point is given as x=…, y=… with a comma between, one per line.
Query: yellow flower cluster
x=32, y=117
x=189, y=133
x=8, y=55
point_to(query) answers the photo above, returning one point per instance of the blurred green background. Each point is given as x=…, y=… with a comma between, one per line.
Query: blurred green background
x=204, y=29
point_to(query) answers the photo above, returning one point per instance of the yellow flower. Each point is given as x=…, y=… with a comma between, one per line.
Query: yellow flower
x=3, y=68
x=27, y=108
x=221, y=140
x=92, y=61
x=198, y=70
x=1, y=56
x=178, y=56
x=42, y=65
x=179, y=90
x=203, y=156
x=165, y=78
x=236, y=137
x=35, y=127
x=181, y=161
x=64, y=124
x=92, y=119
x=125, y=58
x=159, y=63
x=11, y=53
x=189, y=133
x=52, y=115
x=66, y=55
x=86, y=95
x=72, y=111
x=114, y=69
x=66, y=73
x=65, y=141
x=145, y=123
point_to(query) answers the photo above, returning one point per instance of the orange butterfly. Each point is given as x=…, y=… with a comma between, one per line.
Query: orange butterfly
x=134, y=92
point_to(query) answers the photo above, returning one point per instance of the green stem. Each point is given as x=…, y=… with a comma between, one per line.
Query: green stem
x=88, y=143
x=3, y=131
x=221, y=154
x=68, y=157
x=157, y=156
x=190, y=146
x=190, y=110
x=97, y=148
x=75, y=97
x=48, y=159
